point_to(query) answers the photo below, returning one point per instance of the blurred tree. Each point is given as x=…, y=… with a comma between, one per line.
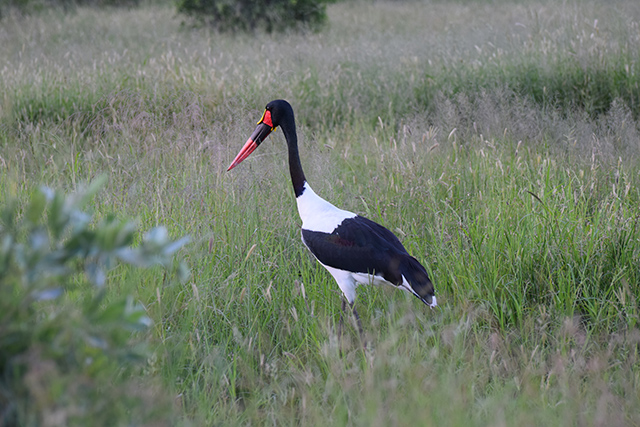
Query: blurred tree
x=247, y=15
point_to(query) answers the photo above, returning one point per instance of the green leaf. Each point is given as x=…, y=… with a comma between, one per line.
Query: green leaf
x=47, y=294
x=96, y=185
x=58, y=215
x=157, y=236
x=36, y=207
x=172, y=247
x=95, y=274
x=184, y=272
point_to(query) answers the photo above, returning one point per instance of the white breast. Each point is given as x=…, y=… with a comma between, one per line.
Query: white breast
x=317, y=214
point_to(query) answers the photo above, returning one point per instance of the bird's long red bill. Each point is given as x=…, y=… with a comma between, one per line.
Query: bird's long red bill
x=264, y=128
x=243, y=154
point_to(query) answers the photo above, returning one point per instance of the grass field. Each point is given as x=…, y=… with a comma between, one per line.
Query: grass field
x=499, y=140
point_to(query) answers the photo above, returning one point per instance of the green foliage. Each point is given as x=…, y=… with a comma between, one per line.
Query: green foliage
x=63, y=339
x=248, y=15
x=560, y=84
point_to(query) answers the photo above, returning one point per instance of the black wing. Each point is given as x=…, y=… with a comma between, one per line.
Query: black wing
x=361, y=246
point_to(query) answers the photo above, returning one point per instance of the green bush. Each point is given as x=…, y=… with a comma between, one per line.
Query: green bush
x=247, y=15
x=66, y=343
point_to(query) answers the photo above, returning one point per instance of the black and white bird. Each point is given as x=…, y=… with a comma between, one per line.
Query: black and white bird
x=354, y=249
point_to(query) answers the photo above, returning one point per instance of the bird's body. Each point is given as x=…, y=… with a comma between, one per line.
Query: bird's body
x=354, y=249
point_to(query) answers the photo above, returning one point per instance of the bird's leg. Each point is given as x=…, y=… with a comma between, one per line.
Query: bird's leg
x=357, y=317
x=344, y=307
x=358, y=322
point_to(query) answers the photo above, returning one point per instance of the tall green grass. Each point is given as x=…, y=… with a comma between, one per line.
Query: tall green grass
x=498, y=141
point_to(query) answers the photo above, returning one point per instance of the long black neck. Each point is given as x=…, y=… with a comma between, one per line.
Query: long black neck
x=295, y=167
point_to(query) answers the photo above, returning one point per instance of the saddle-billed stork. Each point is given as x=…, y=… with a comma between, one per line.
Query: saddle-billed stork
x=354, y=249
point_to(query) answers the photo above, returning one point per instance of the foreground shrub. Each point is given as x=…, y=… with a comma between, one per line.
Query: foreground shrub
x=67, y=344
x=246, y=15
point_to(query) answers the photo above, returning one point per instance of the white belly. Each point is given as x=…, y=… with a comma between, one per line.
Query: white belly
x=348, y=281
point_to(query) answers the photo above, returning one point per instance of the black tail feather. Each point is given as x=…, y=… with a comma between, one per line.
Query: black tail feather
x=418, y=278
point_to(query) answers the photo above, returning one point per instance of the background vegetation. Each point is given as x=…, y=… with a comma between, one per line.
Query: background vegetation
x=26, y=7
x=251, y=15
x=499, y=140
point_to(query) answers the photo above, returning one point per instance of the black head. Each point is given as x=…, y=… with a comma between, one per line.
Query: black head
x=280, y=111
